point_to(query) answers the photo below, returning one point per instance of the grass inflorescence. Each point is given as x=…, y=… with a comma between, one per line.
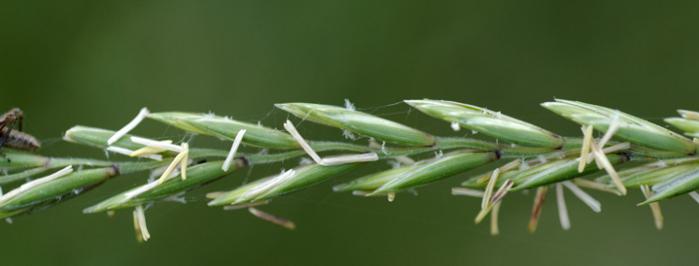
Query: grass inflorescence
x=614, y=152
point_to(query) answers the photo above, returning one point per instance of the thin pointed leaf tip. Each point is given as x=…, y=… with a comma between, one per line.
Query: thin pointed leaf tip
x=494, y=124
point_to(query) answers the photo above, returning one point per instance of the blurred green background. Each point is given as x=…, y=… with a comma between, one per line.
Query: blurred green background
x=96, y=62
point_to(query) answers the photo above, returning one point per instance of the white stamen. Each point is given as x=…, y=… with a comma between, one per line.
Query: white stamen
x=146, y=151
x=350, y=158
x=185, y=160
x=502, y=191
x=584, y=197
x=288, y=224
x=618, y=147
x=128, y=127
x=177, y=161
x=494, y=229
x=542, y=159
x=127, y=152
x=391, y=196
x=140, y=190
x=163, y=144
x=562, y=209
x=585, y=149
x=601, y=158
x=9, y=220
x=341, y=159
x=157, y=172
x=267, y=185
x=455, y=126
x=489, y=188
x=139, y=219
x=460, y=191
x=289, y=126
x=120, y=150
x=234, y=148
x=36, y=182
x=495, y=199
x=611, y=129
x=694, y=195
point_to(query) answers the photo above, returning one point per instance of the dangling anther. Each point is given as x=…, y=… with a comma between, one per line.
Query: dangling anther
x=536, y=208
x=142, y=114
x=283, y=222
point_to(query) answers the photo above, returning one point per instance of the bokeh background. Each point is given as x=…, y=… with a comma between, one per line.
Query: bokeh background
x=96, y=62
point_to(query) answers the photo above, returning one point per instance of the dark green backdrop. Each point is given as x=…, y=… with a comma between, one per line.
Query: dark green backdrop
x=97, y=62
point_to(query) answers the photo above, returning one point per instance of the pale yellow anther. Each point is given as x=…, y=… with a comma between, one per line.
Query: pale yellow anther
x=139, y=222
x=602, y=160
x=563, y=217
x=494, y=229
x=168, y=171
x=485, y=202
x=585, y=149
x=536, y=208
x=184, y=161
x=496, y=198
x=391, y=196
x=283, y=222
x=146, y=151
x=654, y=207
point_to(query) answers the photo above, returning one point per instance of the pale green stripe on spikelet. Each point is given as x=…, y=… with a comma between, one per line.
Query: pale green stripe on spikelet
x=494, y=124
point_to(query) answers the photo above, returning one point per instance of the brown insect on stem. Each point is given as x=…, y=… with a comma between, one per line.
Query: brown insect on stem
x=15, y=138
